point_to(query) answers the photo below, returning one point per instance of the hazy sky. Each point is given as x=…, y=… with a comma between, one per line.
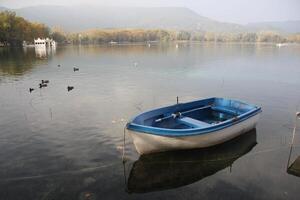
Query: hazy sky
x=238, y=11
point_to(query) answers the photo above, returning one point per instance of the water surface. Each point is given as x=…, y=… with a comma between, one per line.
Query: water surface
x=57, y=144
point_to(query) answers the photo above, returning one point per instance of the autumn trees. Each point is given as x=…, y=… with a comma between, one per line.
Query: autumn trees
x=14, y=30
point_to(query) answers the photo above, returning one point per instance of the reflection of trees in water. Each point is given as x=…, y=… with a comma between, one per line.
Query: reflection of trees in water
x=18, y=61
x=122, y=49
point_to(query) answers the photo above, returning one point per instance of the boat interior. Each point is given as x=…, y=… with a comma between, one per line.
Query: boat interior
x=198, y=114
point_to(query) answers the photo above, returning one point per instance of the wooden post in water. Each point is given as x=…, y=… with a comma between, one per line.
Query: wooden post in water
x=293, y=137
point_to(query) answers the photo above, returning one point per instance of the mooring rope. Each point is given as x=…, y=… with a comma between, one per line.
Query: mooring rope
x=124, y=138
x=87, y=169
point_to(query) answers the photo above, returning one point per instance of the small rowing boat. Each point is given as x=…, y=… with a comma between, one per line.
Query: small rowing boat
x=196, y=124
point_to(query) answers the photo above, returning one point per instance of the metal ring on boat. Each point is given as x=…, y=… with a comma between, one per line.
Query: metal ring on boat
x=298, y=114
x=176, y=115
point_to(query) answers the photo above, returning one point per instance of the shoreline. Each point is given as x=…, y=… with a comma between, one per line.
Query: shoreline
x=162, y=43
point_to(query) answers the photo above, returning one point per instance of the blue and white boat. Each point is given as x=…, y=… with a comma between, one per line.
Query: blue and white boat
x=196, y=124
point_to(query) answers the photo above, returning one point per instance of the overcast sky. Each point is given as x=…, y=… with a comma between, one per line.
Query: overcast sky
x=238, y=11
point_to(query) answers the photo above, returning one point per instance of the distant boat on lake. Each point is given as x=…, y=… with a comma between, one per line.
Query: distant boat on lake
x=281, y=44
x=196, y=124
x=25, y=44
x=112, y=42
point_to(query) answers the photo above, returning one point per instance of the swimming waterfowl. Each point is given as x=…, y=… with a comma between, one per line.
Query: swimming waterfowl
x=45, y=81
x=75, y=69
x=43, y=85
x=70, y=88
x=31, y=89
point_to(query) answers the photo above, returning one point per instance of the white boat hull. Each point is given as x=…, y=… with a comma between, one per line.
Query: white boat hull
x=149, y=143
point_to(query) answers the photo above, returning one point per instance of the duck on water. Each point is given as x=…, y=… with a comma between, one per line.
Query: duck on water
x=196, y=124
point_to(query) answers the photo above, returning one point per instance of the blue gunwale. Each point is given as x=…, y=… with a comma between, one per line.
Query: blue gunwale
x=191, y=131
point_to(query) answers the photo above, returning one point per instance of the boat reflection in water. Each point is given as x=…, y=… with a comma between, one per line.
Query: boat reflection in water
x=167, y=170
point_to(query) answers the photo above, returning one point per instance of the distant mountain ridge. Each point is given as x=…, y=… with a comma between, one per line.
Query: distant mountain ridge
x=285, y=26
x=3, y=8
x=80, y=18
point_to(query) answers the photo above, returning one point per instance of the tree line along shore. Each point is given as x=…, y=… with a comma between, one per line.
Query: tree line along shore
x=14, y=30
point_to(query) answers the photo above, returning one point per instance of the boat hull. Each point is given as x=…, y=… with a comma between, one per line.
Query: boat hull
x=149, y=143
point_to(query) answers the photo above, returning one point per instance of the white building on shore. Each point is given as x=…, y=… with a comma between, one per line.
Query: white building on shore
x=44, y=42
x=44, y=47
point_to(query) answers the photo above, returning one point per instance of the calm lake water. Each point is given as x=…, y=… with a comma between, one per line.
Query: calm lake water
x=57, y=144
